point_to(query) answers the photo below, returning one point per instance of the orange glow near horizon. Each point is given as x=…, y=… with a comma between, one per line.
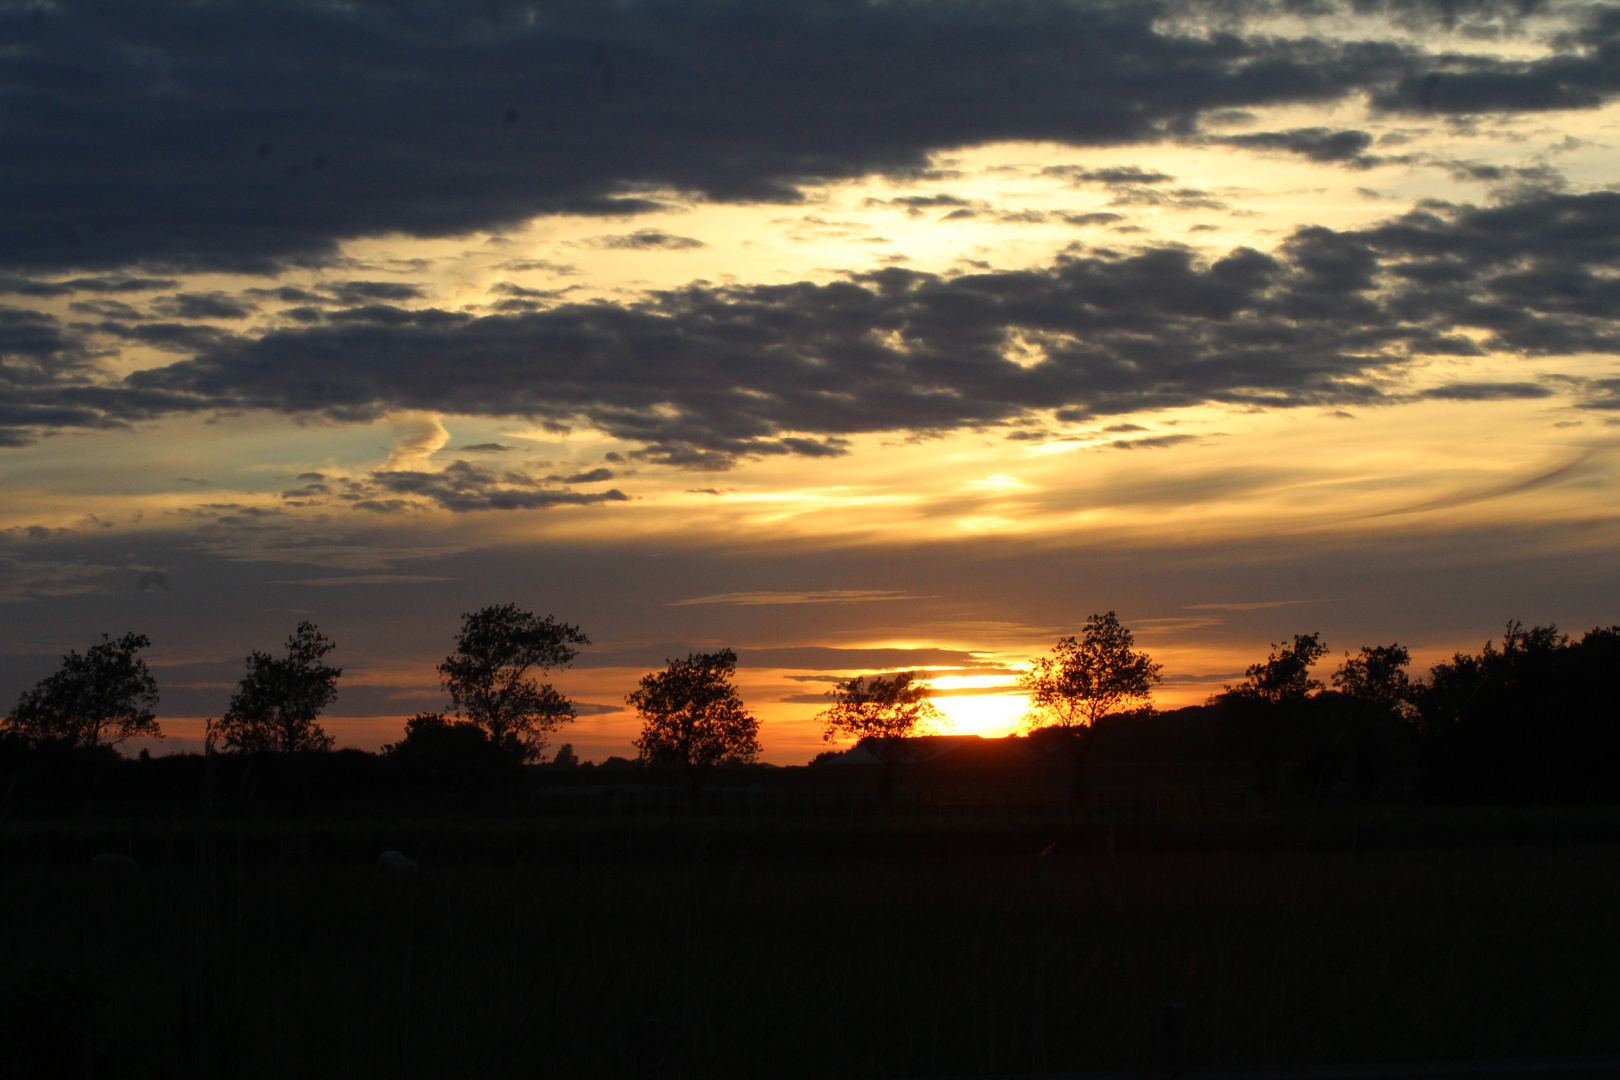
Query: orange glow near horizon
x=992, y=713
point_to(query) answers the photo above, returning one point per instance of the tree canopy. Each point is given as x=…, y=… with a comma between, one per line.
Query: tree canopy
x=880, y=713
x=1267, y=710
x=1376, y=676
x=489, y=681
x=693, y=716
x=278, y=701
x=98, y=699
x=1533, y=719
x=1087, y=678
x=1284, y=676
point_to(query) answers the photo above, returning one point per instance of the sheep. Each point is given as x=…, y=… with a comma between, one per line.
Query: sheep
x=396, y=865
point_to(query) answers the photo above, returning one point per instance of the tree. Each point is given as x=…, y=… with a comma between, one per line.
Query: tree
x=1533, y=720
x=1083, y=681
x=430, y=735
x=1266, y=707
x=882, y=715
x=1361, y=735
x=1377, y=676
x=98, y=699
x=488, y=677
x=276, y=704
x=453, y=758
x=1285, y=674
x=692, y=716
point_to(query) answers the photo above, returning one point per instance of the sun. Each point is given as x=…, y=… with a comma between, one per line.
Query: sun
x=992, y=712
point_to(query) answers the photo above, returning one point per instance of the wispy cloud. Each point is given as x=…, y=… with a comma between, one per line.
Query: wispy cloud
x=1544, y=478
x=1257, y=605
x=367, y=579
x=816, y=596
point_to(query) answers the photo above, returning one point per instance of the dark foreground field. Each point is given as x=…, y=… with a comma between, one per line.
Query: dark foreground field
x=265, y=958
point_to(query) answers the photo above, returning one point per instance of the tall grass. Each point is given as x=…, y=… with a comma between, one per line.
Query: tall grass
x=850, y=967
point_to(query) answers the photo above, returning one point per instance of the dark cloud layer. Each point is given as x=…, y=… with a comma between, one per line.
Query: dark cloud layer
x=1314, y=143
x=703, y=375
x=243, y=136
x=463, y=486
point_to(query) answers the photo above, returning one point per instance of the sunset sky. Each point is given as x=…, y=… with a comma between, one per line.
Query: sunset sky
x=857, y=337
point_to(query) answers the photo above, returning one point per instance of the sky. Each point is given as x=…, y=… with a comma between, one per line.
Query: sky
x=856, y=337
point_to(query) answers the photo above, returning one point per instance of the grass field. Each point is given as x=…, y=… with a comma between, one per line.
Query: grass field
x=215, y=963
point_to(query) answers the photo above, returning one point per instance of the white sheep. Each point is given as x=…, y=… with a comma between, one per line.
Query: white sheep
x=395, y=864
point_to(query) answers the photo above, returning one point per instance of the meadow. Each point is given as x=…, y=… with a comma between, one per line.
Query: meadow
x=738, y=946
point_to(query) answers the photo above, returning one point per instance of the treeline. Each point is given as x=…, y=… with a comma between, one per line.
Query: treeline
x=503, y=715
x=1535, y=719
x=52, y=781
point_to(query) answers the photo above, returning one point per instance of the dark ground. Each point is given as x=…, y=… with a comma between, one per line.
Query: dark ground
x=749, y=946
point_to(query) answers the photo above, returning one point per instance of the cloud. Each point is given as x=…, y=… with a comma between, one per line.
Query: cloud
x=1487, y=391
x=1101, y=217
x=106, y=309
x=815, y=658
x=152, y=579
x=560, y=269
x=1253, y=605
x=1579, y=75
x=1153, y=442
x=812, y=596
x=1130, y=176
x=114, y=284
x=643, y=240
x=152, y=143
x=1314, y=143
x=367, y=579
x=213, y=305
x=918, y=205
x=417, y=437
x=592, y=476
x=1170, y=198
x=463, y=487
x=23, y=579
x=702, y=376
x=357, y=292
x=1542, y=478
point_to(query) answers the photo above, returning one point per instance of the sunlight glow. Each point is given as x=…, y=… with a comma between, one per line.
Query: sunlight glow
x=990, y=715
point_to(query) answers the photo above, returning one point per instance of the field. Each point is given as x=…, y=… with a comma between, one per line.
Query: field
x=742, y=948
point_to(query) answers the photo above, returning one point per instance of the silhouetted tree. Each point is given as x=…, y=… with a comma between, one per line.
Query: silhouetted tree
x=488, y=677
x=434, y=735
x=452, y=757
x=1377, y=676
x=278, y=701
x=1534, y=719
x=98, y=699
x=1285, y=675
x=882, y=715
x=692, y=716
x=1358, y=737
x=1082, y=681
x=1267, y=708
